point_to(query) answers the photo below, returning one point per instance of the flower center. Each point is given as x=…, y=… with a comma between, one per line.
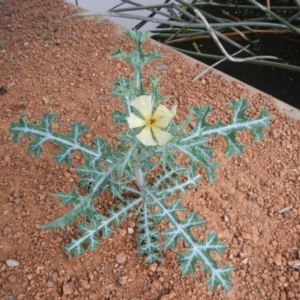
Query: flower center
x=152, y=121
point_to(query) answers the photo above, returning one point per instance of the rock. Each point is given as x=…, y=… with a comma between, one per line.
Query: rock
x=169, y=296
x=130, y=230
x=29, y=276
x=245, y=261
x=295, y=275
x=12, y=278
x=12, y=263
x=121, y=257
x=156, y=284
x=45, y=100
x=6, y=230
x=39, y=269
x=84, y=283
x=277, y=259
x=153, y=267
x=161, y=68
x=123, y=232
x=68, y=289
x=49, y=284
x=123, y=280
x=17, y=201
x=282, y=295
x=92, y=296
x=8, y=13
x=40, y=15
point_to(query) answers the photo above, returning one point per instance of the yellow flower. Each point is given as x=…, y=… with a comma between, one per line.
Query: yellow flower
x=152, y=122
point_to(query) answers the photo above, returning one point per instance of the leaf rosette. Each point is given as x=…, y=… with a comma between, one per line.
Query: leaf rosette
x=125, y=171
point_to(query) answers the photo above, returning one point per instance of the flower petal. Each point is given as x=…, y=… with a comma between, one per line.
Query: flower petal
x=134, y=121
x=173, y=110
x=161, y=136
x=145, y=136
x=144, y=105
x=163, y=116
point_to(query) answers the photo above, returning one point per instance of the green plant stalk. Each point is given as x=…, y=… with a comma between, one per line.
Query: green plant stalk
x=176, y=34
x=219, y=34
x=294, y=17
x=255, y=62
x=247, y=7
x=275, y=16
x=173, y=23
x=121, y=171
x=152, y=8
x=219, y=20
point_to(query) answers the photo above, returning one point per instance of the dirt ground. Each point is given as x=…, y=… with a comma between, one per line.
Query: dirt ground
x=71, y=74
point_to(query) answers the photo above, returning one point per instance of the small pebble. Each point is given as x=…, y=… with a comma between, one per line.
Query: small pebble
x=8, y=13
x=161, y=68
x=68, y=289
x=49, y=284
x=130, y=230
x=121, y=257
x=153, y=267
x=39, y=269
x=6, y=230
x=277, y=259
x=83, y=283
x=245, y=261
x=12, y=263
x=123, y=280
x=12, y=278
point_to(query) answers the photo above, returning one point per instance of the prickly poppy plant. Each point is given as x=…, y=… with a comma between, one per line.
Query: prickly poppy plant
x=141, y=173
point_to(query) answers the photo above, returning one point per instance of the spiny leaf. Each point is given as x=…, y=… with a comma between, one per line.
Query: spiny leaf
x=72, y=198
x=156, y=98
x=92, y=240
x=139, y=37
x=176, y=206
x=197, y=251
x=137, y=59
x=74, y=247
x=18, y=129
x=173, y=234
x=83, y=205
x=119, y=118
x=221, y=277
x=148, y=236
x=197, y=153
x=201, y=252
x=100, y=224
x=93, y=177
x=65, y=154
x=237, y=123
x=41, y=132
x=176, y=179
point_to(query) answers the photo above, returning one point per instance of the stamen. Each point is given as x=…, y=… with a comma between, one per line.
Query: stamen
x=152, y=121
